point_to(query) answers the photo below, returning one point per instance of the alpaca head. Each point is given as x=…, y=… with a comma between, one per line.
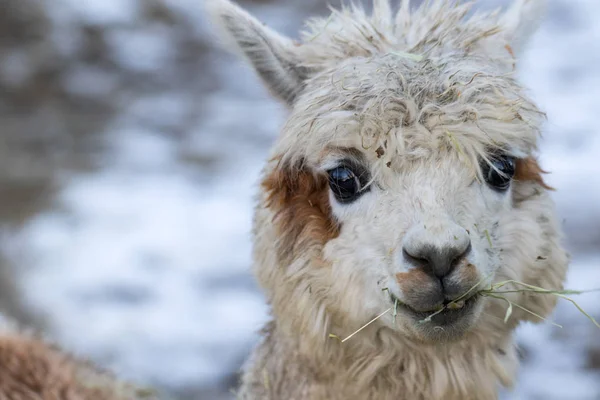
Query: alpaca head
x=405, y=173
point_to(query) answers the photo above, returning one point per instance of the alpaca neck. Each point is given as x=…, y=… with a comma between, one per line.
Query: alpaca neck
x=390, y=367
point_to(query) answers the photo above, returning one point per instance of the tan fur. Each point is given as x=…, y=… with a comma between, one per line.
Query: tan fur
x=416, y=284
x=423, y=98
x=300, y=201
x=468, y=272
x=528, y=169
x=33, y=369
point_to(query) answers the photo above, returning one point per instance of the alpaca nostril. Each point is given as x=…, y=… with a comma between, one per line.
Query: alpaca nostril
x=460, y=255
x=415, y=259
x=439, y=261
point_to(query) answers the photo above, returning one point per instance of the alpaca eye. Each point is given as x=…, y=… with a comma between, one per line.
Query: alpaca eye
x=499, y=173
x=345, y=184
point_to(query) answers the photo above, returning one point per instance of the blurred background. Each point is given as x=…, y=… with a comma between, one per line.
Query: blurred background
x=130, y=148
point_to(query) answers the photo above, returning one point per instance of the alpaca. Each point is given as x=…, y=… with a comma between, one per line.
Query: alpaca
x=405, y=177
x=33, y=369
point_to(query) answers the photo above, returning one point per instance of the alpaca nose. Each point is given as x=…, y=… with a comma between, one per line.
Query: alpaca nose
x=437, y=252
x=440, y=261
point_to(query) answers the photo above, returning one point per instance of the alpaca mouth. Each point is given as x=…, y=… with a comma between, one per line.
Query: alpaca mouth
x=448, y=313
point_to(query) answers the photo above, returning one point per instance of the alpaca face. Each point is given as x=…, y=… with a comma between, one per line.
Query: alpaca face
x=402, y=179
x=421, y=190
x=415, y=239
x=416, y=236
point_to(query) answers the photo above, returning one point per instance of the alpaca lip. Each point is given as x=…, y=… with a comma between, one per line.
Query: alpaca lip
x=451, y=311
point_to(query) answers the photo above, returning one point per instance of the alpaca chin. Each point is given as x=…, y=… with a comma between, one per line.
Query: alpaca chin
x=447, y=326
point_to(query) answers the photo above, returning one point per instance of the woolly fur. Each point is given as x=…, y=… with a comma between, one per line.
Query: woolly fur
x=33, y=369
x=421, y=98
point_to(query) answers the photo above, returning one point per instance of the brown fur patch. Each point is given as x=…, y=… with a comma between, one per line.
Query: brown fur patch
x=30, y=369
x=528, y=169
x=466, y=273
x=420, y=290
x=300, y=200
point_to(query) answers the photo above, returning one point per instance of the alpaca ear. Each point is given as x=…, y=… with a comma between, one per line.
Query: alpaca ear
x=521, y=21
x=272, y=55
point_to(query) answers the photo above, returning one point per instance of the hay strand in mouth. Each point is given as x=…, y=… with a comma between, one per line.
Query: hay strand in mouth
x=491, y=292
x=539, y=290
x=511, y=304
x=508, y=312
x=462, y=296
x=331, y=335
x=367, y=324
x=428, y=318
x=455, y=301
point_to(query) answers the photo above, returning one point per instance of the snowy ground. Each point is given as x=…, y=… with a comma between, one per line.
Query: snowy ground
x=143, y=263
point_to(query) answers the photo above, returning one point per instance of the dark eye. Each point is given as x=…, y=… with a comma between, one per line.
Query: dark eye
x=345, y=184
x=501, y=171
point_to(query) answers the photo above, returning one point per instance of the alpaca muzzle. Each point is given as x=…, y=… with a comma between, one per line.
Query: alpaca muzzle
x=439, y=275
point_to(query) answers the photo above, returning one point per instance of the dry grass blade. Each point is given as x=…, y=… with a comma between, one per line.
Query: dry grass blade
x=367, y=324
x=316, y=35
x=493, y=292
x=581, y=310
x=511, y=304
x=489, y=239
x=266, y=379
x=508, y=312
x=537, y=289
x=459, y=298
x=472, y=288
x=428, y=318
x=331, y=335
